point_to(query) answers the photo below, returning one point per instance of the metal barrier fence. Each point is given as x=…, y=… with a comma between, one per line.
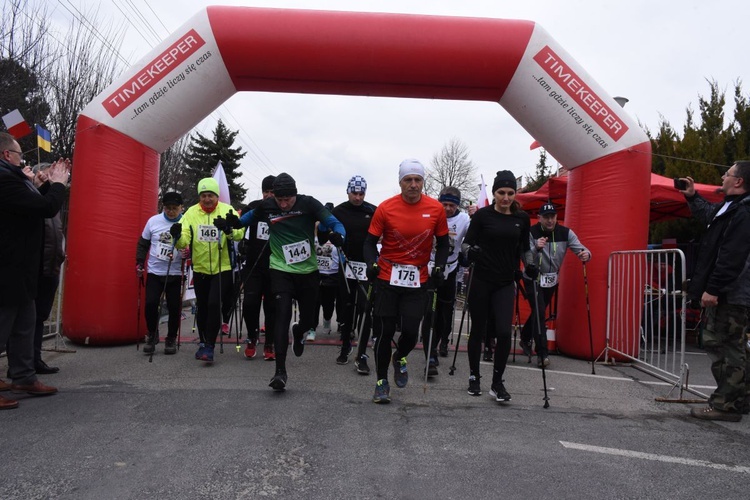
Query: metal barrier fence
x=646, y=304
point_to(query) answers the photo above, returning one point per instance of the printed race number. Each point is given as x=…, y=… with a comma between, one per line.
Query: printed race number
x=547, y=280
x=405, y=275
x=164, y=251
x=208, y=233
x=325, y=263
x=296, y=252
x=356, y=271
x=263, y=232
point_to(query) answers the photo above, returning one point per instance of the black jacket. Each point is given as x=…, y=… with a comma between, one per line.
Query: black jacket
x=22, y=216
x=722, y=263
x=356, y=221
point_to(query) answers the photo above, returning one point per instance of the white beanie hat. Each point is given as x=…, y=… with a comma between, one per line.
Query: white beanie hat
x=410, y=167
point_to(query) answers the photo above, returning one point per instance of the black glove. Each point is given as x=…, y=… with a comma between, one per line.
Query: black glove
x=336, y=239
x=176, y=230
x=221, y=224
x=532, y=272
x=139, y=270
x=518, y=276
x=472, y=254
x=372, y=271
x=232, y=220
x=437, y=277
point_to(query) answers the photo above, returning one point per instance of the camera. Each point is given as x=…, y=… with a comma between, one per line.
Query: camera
x=680, y=184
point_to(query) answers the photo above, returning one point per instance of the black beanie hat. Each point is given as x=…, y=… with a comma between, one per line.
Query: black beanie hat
x=504, y=179
x=284, y=185
x=171, y=198
x=267, y=183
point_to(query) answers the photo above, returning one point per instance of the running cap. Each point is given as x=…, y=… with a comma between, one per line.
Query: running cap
x=504, y=179
x=357, y=184
x=410, y=167
x=171, y=198
x=547, y=208
x=208, y=184
x=267, y=183
x=284, y=186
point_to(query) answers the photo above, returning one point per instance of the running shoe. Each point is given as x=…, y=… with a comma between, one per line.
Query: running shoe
x=542, y=361
x=208, y=354
x=525, y=347
x=225, y=328
x=278, y=382
x=499, y=393
x=382, y=392
x=250, y=349
x=443, y=349
x=151, y=340
x=400, y=374
x=268, y=352
x=487, y=354
x=344, y=355
x=170, y=345
x=474, y=388
x=327, y=326
x=361, y=365
x=201, y=351
x=432, y=370
x=310, y=336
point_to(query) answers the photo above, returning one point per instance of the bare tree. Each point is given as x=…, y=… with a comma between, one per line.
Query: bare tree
x=452, y=167
x=172, y=169
x=84, y=66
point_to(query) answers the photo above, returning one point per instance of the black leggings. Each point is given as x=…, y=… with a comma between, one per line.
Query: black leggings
x=446, y=299
x=352, y=308
x=154, y=289
x=531, y=328
x=286, y=287
x=208, y=317
x=483, y=298
x=257, y=291
x=391, y=304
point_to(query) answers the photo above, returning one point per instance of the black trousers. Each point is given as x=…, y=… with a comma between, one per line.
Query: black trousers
x=45, y=298
x=285, y=288
x=446, y=299
x=258, y=291
x=352, y=308
x=483, y=298
x=531, y=328
x=210, y=291
x=154, y=289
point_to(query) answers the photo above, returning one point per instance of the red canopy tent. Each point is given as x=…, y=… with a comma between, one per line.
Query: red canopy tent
x=666, y=202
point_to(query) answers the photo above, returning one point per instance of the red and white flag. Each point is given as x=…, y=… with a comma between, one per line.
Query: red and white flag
x=221, y=178
x=482, y=200
x=16, y=125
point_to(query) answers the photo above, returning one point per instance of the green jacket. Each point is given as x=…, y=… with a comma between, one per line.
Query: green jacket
x=199, y=232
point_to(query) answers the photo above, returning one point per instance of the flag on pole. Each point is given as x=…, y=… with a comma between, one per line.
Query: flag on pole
x=221, y=178
x=16, y=125
x=482, y=200
x=534, y=145
x=43, y=139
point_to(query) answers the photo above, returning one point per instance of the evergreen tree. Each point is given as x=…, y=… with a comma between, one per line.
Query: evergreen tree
x=542, y=173
x=204, y=154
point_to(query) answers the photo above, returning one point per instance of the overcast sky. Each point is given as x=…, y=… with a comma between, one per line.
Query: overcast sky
x=657, y=54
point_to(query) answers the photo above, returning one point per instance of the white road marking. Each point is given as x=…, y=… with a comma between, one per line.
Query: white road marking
x=658, y=458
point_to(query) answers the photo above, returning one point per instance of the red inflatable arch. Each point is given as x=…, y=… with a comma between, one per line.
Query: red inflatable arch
x=223, y=50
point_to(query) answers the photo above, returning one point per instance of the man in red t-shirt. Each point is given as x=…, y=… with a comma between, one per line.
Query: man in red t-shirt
x=408, y=223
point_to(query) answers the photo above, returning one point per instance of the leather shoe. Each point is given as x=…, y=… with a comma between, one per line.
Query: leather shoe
x=7, y=404
x=4, y=386
x=43, y=368
x=35, y=389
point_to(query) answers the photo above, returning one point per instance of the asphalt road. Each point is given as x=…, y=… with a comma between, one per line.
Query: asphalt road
x=126, y=428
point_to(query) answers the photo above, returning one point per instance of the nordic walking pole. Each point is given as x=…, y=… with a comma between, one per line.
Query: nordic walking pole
x=515, y=327
x=588, y=313
x=138, y=312
x=429, y=342
x=463, y=316
x=539, y=326
x=182, y=297
x=161, y=299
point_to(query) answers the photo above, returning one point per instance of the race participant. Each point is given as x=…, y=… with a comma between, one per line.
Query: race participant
x=407, y=223
x=549, y=244
x=256, y=280
x=164, y=272
x=496, y=241
x=355, y=214
x=328, y=265
x=206, y=228
x=293, y=264
x=458, y=223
